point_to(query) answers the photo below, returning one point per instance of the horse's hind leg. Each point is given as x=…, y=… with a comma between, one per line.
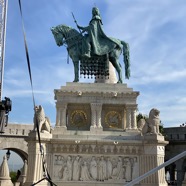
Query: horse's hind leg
x=117, y=66
x=120, y=80
x=76, y=71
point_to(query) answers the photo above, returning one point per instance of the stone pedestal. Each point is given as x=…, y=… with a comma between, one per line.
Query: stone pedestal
x=96, y=141
x=101, y=132
x=153, y=156
x=35, y=159
x=81, y=106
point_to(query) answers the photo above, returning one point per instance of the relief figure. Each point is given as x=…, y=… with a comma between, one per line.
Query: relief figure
x=85, y=174
x=76, y=169
x=94, y=168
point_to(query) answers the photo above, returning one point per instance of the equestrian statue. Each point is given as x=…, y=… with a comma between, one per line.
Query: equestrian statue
x=92, y=48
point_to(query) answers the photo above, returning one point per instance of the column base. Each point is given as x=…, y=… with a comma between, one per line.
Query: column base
x=96, y=130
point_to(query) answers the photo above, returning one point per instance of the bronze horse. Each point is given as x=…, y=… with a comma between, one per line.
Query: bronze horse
x=73, y=39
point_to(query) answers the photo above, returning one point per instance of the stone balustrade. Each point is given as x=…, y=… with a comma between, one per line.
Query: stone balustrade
x=18, y=129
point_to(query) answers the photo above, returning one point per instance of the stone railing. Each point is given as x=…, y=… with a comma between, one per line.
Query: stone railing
x=17, y=129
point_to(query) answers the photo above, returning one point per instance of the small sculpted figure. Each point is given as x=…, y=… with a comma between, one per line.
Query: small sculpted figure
x=102, y=169
x=120, y=169
x=60, y=166
x=76, y=169
x=128, y=170
x=93, y=168
x=69, y=167
x=40, y=120
x=154, y=121
x=65, y=174
x=135, y=168
x=150, y=125
x=85, y=174
x=109, y=168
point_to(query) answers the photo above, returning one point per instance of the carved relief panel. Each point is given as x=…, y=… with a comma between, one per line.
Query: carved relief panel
x=95, y=168
x=78, y=116
x=113, y=117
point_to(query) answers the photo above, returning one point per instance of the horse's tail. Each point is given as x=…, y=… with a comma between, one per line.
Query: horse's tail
x=126, y=58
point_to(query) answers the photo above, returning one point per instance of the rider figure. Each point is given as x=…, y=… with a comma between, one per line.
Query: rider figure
x=96, y=41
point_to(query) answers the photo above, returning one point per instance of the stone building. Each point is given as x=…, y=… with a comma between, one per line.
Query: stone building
x=177, y=144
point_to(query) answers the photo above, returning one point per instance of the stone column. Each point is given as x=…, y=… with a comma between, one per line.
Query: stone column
x=96, y=109
x=57, y=116
x=124, y=119
x=63, y=110
x=35, y=171
x=131, y=117
x=35, y=160
x=128, y=118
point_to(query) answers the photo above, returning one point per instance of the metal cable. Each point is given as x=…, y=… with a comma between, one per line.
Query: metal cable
x=45, y=171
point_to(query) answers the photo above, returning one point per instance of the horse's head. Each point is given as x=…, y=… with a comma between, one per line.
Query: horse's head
x=62, y=33
x=58, y=35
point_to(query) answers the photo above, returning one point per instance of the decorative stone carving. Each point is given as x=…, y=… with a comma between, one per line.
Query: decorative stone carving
x=95, y=168
x=128, y=169
x=114, y=147
x=135, y=167
x=78, y=118
x=76, y=169
x=109, y=168
x=113, y=119
x=150, y=125
x=96, y=109
x=154, y=121
x=85, y=174
x=102, y=171
x=40, y=120
x=118, y=171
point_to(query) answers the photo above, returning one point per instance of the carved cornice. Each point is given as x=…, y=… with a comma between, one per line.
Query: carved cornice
x=79, y=147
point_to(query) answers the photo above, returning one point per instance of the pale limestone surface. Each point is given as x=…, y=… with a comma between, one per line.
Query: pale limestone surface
x=96, y=140
x=112, y=76
x=4, y=174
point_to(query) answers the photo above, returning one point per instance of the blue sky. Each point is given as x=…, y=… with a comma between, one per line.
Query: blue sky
x=155, y=31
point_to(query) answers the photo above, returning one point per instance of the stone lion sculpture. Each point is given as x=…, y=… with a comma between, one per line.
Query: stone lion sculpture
x=150, y=125
x=42, y=121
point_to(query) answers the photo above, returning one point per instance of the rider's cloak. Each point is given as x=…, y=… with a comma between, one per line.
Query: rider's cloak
x=100, y=43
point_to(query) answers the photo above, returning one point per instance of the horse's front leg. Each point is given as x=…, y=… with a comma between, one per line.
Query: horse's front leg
x=76, y=71
x=119, y=70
